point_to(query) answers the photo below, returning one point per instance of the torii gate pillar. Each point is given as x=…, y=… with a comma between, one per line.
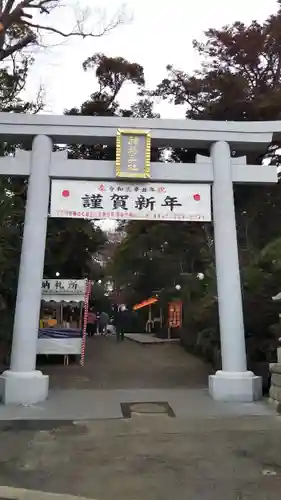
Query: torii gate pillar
x=233, y=382
x=22, y=383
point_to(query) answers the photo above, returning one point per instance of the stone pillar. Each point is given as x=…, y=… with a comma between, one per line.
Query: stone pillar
x=275, y=384
x=22, y=383
x=233, y=382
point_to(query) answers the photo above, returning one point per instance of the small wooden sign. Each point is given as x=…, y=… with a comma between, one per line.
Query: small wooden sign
x=175, y=314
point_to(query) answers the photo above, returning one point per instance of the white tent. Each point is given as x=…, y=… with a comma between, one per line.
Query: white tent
x=55, y=340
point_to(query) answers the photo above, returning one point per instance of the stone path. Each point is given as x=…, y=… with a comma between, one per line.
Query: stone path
x=116, y=375
x=148, y=338
x=129, y=365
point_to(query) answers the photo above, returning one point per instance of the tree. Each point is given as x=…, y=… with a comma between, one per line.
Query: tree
x=70, y=244
x=13, y=78
x=70, y=247
x=156, y=256
x=239, y=79
x=12, y=194
x=23, y=22
x=240, y=76
x=111, y=74
x=84, y=238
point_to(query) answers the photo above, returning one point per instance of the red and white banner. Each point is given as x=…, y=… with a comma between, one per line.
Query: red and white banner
x=130, y=200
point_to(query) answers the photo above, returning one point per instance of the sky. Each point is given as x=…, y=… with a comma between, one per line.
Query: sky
x=158, y=33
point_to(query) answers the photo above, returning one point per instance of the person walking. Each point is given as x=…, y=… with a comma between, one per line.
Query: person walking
x=92, y=322
x=120, y=322
x=103, y=322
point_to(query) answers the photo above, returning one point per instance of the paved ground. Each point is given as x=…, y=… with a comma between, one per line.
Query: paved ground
x=117, y=374
x=127, y=365
x=145, y=458
x=194, y=449
x=88, y=404
x=10, y=493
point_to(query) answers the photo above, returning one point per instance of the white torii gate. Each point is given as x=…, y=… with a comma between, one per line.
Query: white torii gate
x=22, y=383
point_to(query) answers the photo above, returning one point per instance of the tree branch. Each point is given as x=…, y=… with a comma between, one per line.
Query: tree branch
x=41, y=6
x=8, y=7
x=20, y=14
x=71, y=33
x=16, y=47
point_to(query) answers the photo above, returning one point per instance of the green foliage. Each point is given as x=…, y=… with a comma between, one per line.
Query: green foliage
x=113, y=72
x=11, y=208
x=12, y=194
x=271, y=255
x=154, y=257
x=70, y=246
x=239, y=79
x=99, y=300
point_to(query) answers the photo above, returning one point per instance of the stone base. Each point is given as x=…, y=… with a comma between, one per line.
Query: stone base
x=276, y=379
x=23, y=388
x=235, y=386
x=275, y=393
x=275, y=368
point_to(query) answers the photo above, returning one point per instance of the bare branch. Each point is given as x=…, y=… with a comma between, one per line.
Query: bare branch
x=39, y=103
x=21, y=15
x=41, y=6
x=44, y=6
x=70, y=33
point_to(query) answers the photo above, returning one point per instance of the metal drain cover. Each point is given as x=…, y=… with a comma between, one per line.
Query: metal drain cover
x=137, y=409
x=148, y=408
